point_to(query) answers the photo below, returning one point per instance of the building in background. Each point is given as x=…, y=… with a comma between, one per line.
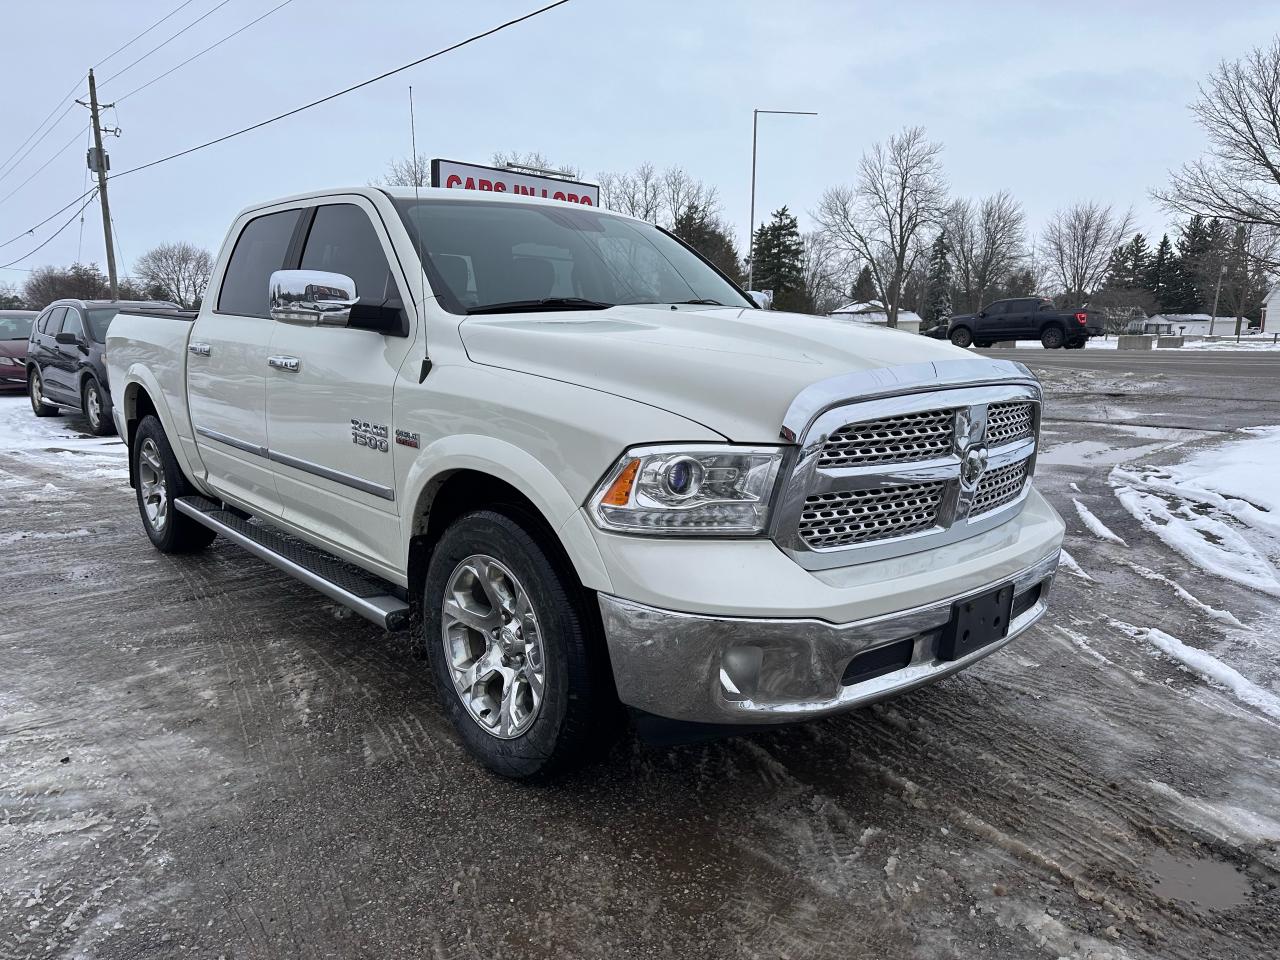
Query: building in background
x=873, y=311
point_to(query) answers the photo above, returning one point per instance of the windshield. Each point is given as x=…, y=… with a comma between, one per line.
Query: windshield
x=15, y=328
x=484, y=256
x=99, y=320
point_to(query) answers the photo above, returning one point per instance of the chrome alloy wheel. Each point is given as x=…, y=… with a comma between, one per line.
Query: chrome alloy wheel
x=93, y=405
x=493, y=646
x=151, y=484
x=36, y=389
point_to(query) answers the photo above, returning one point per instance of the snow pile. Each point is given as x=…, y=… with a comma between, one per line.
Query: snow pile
x=60, y=443
x=1207, y=666
x=1096, y=526
x=1220, y=509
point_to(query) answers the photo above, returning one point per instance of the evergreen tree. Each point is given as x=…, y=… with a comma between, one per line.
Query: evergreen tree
x=864, y=287
x=1129, y=266
x=709, y=238
x=1193, y=249
x=937, y=305
x=1020, y=283
x=778, y=261
x=1161, y=278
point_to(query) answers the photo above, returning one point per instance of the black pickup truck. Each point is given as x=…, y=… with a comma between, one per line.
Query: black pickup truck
x=1026, y=318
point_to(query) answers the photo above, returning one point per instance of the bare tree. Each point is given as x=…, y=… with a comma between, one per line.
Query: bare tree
x=637, y=194
x=180, y=269
x=1239, y=178
x=900, y=191
x=681, y=193
x=988, y=239
x=1077, y=245
x=825, y=272
x=406, y=172
x=535, y=160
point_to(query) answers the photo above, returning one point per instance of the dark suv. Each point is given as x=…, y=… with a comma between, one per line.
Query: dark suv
x=1026, y=318
x=64, y=358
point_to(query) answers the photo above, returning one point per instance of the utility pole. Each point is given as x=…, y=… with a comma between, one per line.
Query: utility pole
x=1213, y=317
x=98, y=163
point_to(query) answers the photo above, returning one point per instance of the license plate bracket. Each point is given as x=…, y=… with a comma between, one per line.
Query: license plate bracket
x=976, y=622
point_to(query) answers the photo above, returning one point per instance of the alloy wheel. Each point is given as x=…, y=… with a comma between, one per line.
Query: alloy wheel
x=151, y=485
x=93, y=405
x=493, y=646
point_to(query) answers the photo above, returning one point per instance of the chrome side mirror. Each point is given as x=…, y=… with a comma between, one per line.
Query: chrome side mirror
x=763, y=298
x=312, y=297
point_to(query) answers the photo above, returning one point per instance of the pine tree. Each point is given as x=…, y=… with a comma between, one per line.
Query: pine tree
x=778, y=261
x=1161, y=278
x=864, y=287
x=1192, y=252
x=937, y=306
x=709, y=238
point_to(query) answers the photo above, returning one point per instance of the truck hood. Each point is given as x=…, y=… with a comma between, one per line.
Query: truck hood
x=732, y=370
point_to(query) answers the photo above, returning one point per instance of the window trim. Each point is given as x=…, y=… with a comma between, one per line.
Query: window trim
x=226, y=267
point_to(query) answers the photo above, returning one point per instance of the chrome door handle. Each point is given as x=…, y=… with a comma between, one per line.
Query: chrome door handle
x=198, y=349
x=289, y=364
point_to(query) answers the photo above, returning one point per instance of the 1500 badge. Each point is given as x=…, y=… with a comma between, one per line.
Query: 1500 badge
x=371, y=435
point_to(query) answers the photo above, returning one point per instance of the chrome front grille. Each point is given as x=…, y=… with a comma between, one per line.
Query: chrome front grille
x=999, y=486
x=901, y=439
x=1007, y=422
x=896, y=474
x=860, y=516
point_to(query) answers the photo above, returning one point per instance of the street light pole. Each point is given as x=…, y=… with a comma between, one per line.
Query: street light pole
x=751, y=230
x=1213, y=317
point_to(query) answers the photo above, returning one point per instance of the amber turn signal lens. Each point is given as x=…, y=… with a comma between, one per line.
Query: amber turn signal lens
x=619, y=492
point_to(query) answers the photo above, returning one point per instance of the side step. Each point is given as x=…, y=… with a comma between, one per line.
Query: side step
x=368, y=596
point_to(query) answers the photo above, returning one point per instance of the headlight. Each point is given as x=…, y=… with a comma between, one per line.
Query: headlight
x=10, y=362
x=688, y=491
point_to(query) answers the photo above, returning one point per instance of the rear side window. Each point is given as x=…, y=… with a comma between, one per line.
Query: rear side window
x=342, y=240
x=260, y=251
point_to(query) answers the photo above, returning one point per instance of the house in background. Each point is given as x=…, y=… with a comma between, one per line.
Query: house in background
x=1271, y=309
x=873, y=311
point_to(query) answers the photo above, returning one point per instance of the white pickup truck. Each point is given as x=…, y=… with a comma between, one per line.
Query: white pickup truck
x=588, y=465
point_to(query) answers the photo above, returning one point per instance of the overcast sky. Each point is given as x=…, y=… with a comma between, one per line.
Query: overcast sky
x=1056, y=102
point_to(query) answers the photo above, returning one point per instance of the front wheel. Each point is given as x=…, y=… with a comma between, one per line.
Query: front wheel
x=1052, y=338
x=35, y=389
x=159, y=482
x=96, y=410
x=513, y=648
x=961, y=337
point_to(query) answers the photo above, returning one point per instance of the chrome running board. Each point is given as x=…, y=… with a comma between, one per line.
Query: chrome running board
x=368, y=596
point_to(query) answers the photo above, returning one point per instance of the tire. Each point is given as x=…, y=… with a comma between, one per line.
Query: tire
x=35, y=388
x=960, y=336
x=1076, y=345
x=982, y=344
x=97, y=408
x=159, y=482
x=1051, y=338
x=500, y=719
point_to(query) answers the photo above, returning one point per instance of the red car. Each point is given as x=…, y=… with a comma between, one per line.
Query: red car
x=15, y=330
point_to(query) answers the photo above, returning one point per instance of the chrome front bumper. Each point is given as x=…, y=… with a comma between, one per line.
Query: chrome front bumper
x=726, y=670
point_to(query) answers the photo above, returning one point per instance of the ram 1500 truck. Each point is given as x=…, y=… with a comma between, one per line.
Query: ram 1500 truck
x=1026, y=318
x=586, y=467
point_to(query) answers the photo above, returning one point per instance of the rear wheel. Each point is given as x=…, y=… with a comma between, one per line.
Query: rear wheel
x=35, y=389
x=160, y=482
x=513, y=649
x=1076, y=345
x=1052, y=338
x=95, y=409
x=961, y=336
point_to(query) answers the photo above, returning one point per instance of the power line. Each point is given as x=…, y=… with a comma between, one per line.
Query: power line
x=204, y=51
x=37, y=143
x=143, y=33
x=61, y=150
x=33, y=229
x=164, y=43
x=333, y=96
x=71, y=93
x=47, y=240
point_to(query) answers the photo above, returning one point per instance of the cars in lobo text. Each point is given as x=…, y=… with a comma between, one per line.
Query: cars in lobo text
x=600, y=474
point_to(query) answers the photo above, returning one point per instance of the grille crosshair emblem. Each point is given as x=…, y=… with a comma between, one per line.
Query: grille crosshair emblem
x=973, y=465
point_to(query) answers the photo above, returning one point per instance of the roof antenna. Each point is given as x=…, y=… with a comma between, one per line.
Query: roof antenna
x=422, y=266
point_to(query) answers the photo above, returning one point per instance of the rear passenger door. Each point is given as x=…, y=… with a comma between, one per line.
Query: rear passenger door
x=64, y=364
x=44, y=350
x=330, y=423
x=227, y=364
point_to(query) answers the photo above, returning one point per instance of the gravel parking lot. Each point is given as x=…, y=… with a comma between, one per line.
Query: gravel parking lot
x=199, y=757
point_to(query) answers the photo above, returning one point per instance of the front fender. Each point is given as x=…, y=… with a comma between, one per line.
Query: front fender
x=517, y=467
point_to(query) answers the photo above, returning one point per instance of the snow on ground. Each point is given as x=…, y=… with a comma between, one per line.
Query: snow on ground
x=1096, y=526
x=1220, y=509
x=1109, y=343
x=61, y=443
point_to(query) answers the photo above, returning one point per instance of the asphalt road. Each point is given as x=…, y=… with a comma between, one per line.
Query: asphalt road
x=201, y=758
x=1230, y=366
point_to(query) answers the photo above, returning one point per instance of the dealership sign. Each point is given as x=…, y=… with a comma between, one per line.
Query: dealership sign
x=470, y=176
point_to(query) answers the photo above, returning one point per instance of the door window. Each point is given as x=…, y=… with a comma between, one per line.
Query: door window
x=73, y=324
x=260, y=251
x=52, y=322
x=342, y=240
x=996, y=309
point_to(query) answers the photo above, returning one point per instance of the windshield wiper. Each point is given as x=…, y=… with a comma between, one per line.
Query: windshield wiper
x=703, y=301
x=546, y=303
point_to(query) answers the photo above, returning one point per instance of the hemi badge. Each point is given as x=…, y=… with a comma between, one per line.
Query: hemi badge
x=407, y=439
